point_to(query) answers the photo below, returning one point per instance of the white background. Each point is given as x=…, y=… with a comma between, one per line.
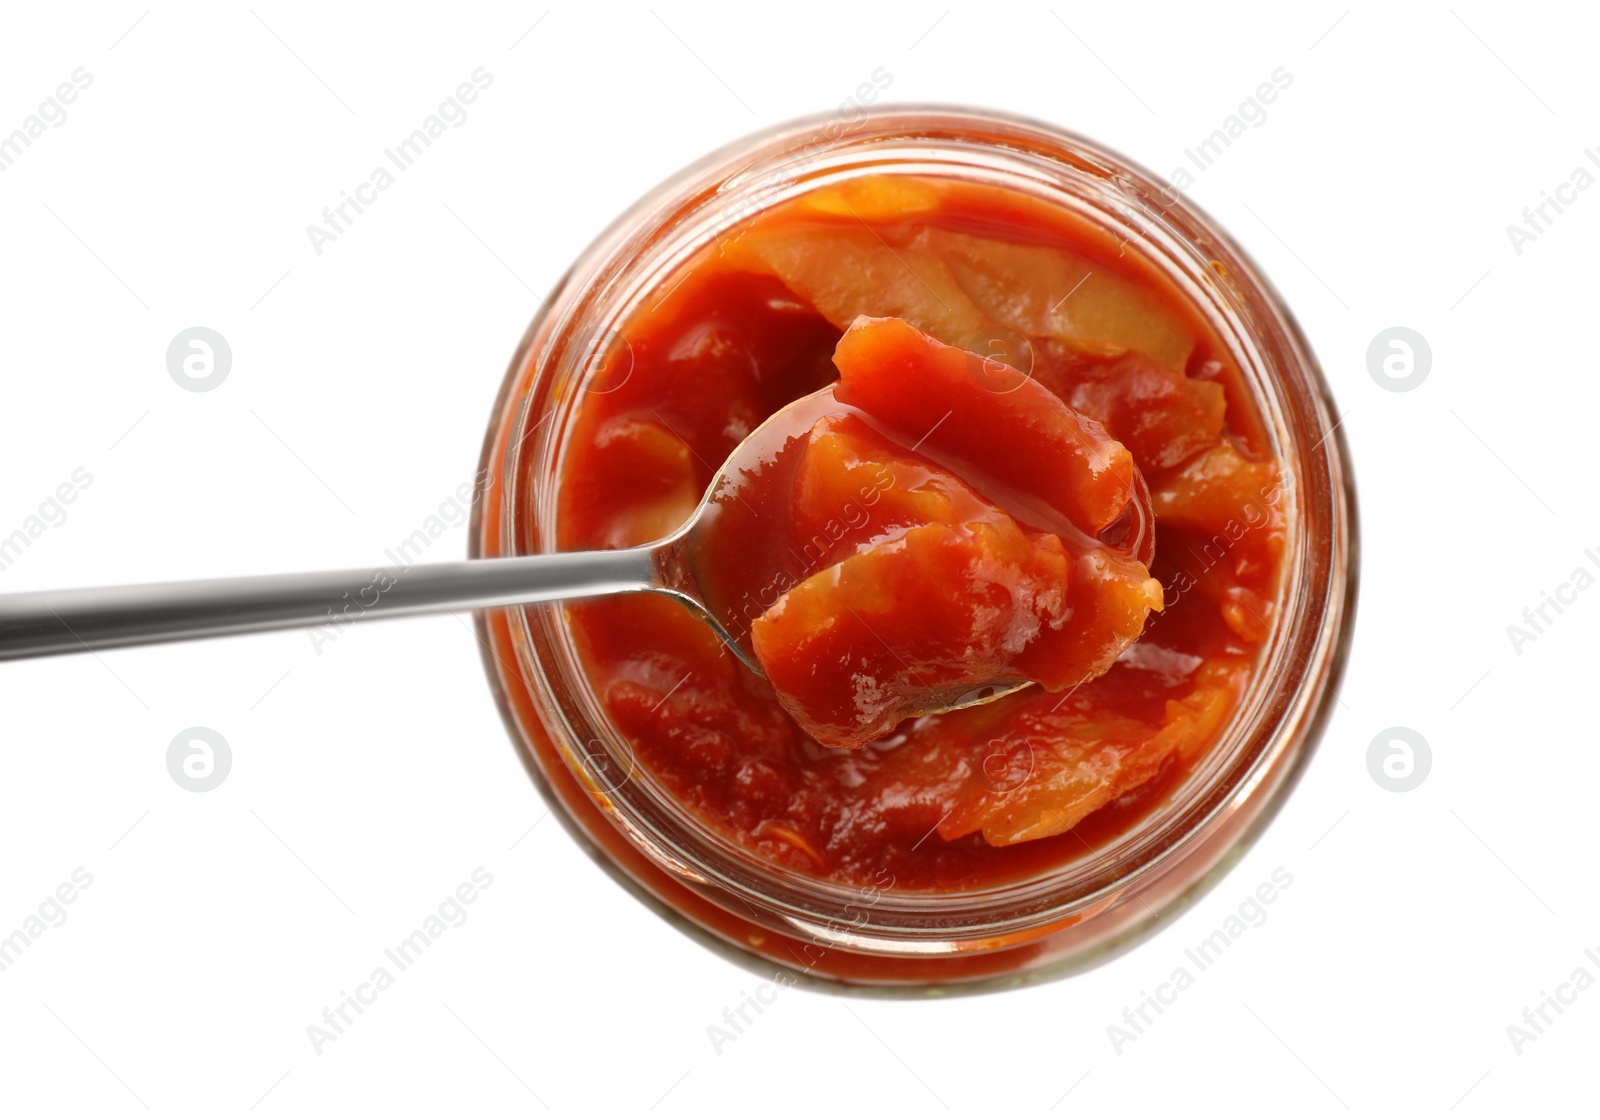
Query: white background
x=372, y=777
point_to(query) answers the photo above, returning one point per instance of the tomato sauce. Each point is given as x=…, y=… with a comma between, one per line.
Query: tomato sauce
x=1064, y=322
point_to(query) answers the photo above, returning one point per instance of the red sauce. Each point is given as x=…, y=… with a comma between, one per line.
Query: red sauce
x=962, y=799
x=907, y=538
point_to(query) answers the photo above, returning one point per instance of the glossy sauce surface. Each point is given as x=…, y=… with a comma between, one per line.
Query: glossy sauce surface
x=962, y=799
x=886, y=557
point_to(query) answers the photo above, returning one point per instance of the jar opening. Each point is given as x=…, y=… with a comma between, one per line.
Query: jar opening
x=1265, y=739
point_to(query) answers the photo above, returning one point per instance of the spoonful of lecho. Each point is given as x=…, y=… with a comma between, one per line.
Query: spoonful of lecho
x=933, y=530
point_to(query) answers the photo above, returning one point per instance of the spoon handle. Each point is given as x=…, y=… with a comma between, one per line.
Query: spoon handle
x=38, y=623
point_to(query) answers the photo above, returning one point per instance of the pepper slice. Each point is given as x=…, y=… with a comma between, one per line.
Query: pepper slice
x=1025, y=442
x=921, y=587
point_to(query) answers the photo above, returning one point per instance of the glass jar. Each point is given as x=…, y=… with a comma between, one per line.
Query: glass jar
x=796, y=928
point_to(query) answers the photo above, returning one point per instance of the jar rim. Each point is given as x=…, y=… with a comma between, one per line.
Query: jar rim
x=669, y=223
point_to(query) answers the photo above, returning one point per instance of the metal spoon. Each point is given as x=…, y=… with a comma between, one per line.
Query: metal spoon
x=40, y=623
